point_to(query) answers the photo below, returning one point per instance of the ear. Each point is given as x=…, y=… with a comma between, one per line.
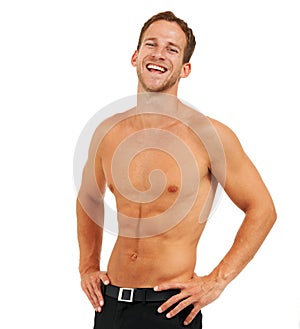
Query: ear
x=186, y=70
x=134, y=58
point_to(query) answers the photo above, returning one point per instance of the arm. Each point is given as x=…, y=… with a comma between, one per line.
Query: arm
x=246, y=189
x=90, y=216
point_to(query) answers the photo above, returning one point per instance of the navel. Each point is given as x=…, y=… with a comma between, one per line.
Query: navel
x=172, y=188
x=133, y=256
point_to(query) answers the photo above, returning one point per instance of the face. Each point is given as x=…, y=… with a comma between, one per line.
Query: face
x=159, y=61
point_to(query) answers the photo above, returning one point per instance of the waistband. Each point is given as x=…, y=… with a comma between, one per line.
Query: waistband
x=130, y=295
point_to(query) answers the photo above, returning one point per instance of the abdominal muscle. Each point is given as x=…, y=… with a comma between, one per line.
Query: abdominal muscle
x=147, y=262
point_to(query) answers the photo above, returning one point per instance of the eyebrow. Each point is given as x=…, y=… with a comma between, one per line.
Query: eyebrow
x=169, y=42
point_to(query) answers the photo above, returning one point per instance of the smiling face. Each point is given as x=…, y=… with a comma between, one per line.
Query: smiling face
x=159, y=60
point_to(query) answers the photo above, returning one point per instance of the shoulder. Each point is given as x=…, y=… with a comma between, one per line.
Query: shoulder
x=220, y=126
x=112, y=121
x=196, y=119
x=104, y=127
x=227, y=136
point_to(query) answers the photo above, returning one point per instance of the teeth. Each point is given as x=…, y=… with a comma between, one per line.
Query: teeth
x=156, y=67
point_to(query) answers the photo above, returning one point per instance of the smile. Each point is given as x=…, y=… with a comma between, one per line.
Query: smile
x=156, y=68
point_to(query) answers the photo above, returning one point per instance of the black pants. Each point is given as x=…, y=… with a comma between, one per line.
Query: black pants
x=141, y=315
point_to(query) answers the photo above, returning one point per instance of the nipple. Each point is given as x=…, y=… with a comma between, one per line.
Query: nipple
x=172, y=188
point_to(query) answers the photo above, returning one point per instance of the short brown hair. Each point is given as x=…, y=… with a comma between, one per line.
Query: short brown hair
x=170, y=17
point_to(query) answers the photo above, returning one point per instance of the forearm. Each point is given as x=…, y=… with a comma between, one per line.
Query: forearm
x=248, y=240
x=89, y=232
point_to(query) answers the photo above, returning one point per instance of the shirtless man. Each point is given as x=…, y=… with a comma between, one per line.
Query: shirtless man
x=162, y=161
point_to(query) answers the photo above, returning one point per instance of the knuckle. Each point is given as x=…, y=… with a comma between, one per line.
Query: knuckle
x=172, y=300
x=201, y=301
x=184, y=303
x=86, y=291
x=102, y=278
x=164, y=306
x=95, y=301
x=95, y=285
x=193, y=313
x=92, y=301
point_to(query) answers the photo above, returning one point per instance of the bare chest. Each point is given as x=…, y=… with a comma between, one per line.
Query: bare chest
x=147, y=164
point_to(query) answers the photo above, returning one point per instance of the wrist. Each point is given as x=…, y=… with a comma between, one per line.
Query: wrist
x=89, y=270
x=222, y=276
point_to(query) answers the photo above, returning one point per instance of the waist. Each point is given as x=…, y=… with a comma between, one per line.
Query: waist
x=131, y=295
x=134, y=268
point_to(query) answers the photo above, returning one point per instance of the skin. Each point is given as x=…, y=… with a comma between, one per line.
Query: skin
x=150, y=261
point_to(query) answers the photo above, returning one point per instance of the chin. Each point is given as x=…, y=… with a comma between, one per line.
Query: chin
x=156, y=88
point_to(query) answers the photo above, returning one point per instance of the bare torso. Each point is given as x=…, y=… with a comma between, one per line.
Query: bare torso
x=174, y=204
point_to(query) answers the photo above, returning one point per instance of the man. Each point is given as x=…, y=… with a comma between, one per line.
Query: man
x=162, y=161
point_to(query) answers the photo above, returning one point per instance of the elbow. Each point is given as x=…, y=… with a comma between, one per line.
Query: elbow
x=86, y=197
x=273, y=215
x=270, y=215
x=272, y=211
x=265, y=212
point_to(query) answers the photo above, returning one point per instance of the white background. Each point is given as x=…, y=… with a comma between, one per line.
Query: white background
x=61, y=62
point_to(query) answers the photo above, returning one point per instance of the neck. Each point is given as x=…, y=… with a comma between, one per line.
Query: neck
x=157, y=103
x=171, y=90
x=157, y=109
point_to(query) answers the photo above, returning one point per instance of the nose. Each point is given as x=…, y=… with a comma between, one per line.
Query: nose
x=158, y=53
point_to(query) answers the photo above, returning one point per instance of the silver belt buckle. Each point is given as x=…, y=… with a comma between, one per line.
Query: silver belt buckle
x=120, y=296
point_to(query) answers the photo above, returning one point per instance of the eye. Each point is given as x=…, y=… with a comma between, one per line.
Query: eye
x=173, y=50
x=150, y=44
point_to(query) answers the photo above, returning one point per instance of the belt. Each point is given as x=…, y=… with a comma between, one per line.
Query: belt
x=138, y=294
